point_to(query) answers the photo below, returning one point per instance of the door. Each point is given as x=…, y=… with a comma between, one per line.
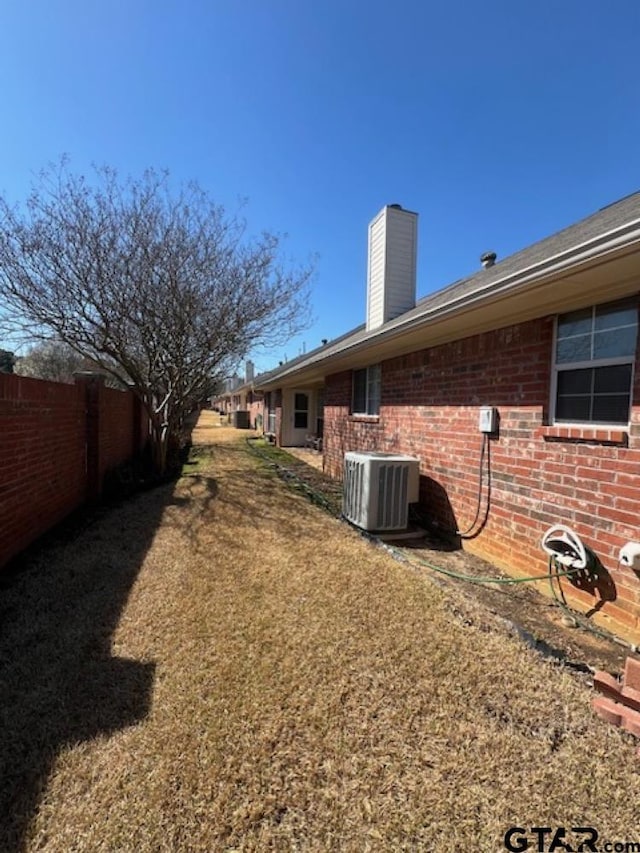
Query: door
x=300, y=418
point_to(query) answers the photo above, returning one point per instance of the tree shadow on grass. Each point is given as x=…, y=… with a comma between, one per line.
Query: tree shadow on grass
x=60, y=684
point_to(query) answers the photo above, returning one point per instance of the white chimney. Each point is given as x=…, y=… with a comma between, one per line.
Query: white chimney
x=249, y=371
x=391, y=268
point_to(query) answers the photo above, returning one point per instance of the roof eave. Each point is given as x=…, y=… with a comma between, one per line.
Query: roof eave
x=557, y=267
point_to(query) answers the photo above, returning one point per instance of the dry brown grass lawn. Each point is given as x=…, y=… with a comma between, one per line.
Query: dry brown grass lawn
x=293, y=688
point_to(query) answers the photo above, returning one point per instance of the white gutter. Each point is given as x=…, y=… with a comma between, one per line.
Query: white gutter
x=597, y=247
x=555, y=264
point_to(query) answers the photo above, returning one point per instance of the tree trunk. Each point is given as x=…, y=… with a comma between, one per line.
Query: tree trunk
x=159, y=446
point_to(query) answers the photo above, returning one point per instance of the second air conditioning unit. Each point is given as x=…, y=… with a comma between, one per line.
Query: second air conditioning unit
x=378, y=488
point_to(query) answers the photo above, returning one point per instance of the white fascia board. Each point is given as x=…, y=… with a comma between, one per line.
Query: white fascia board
x=556, y=265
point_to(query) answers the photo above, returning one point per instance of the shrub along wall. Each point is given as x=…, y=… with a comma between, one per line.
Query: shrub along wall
x=57, y=442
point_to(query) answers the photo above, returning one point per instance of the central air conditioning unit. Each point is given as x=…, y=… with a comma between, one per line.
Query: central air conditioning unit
x=378, y=488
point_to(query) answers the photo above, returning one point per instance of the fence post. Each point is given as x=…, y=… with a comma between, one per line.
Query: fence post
x=135, y=425
x=93, y=384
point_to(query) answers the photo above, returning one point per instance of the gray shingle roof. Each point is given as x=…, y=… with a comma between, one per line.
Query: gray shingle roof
x=610, y=218
x=602, y=222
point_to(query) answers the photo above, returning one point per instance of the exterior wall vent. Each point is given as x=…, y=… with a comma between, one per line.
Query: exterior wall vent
x=378, y=488
x=391, y=265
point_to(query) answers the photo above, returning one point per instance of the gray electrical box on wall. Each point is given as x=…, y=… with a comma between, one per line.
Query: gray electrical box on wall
x=488, y=419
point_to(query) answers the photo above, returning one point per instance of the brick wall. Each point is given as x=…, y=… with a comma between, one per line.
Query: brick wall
x=57, y=441
x=540, y=475
x=255, y=404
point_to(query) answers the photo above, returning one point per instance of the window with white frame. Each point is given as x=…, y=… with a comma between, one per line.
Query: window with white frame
x=594, y=362
x=365, y=398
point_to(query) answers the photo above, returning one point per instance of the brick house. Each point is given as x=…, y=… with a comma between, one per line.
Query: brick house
x=240, y=395
x=547, y=336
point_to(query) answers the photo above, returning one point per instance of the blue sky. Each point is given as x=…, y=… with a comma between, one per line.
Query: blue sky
x=499, y=122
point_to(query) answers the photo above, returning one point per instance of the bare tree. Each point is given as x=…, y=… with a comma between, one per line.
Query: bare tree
x=53, y=360
x=162, y=287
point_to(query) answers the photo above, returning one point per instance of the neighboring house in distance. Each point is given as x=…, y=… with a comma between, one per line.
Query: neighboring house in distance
x=547, y=336
x=239, y=395
x=222, y=401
